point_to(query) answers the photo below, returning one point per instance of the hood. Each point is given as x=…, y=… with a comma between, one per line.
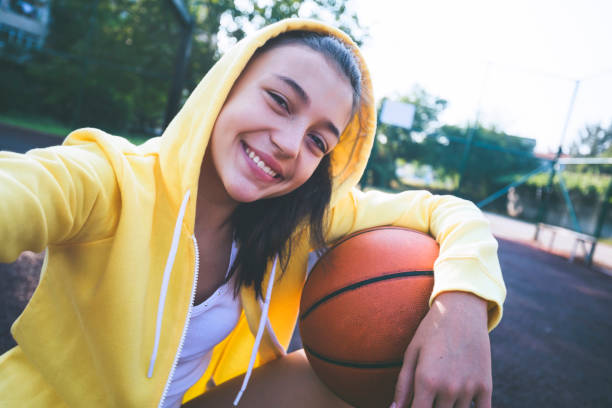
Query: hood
x=183, y=143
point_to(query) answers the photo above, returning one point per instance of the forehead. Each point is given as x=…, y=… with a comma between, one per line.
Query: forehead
x=297, y=59
x=289, y=53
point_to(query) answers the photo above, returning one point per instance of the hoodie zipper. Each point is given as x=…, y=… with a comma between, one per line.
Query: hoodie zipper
x=180, y=347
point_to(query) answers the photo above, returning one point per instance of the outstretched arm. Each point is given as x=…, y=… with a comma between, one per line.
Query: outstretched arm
x=49, y=195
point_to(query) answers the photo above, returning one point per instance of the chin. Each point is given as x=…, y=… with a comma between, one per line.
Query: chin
x=243, y=194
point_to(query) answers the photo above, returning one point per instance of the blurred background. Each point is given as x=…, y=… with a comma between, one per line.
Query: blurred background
x=497, y=96
x=505, y=103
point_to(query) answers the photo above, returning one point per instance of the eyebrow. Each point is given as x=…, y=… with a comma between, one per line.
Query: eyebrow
x=306, y=100
x=296, y=87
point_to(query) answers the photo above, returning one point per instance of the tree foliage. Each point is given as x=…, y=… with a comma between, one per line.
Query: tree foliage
x=594, y=141
x=393, y=142
x=109, y=63
x=494, y=159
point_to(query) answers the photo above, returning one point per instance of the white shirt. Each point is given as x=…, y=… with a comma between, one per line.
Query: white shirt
x=210, y=323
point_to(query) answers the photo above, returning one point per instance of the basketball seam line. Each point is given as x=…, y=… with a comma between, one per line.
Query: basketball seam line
x=359, y=284
x=390, y=364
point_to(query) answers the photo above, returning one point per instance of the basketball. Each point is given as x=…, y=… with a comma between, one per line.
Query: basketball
x=360, y=308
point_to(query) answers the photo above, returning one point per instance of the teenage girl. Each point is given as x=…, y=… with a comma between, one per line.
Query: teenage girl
x=174, y=269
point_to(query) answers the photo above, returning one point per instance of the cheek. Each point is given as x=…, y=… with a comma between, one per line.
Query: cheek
x=306, y=171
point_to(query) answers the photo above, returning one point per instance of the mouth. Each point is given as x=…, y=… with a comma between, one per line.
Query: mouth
x=260, y=163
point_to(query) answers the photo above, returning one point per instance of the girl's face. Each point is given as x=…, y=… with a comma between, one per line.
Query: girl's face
x=285, y=112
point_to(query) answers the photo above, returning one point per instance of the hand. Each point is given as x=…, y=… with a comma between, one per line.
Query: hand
x=448, y=361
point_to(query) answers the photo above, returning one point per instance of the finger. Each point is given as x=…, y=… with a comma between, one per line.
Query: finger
x=424, y=392
x=405, y=380
x=441, y=401
x=464, y=402
x=483, y=398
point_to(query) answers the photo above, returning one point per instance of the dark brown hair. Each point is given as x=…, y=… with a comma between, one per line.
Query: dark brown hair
x=264, y=229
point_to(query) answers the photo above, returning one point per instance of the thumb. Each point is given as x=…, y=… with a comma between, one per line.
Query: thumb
x=404, y=388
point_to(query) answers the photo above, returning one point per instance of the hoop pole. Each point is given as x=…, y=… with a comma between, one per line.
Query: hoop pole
x=568, y=202
x=372, y=169
x=180, y=72
x=600, y=221
x=76, y=117
x=472, y=129
x=546, y=193
x=569, y=113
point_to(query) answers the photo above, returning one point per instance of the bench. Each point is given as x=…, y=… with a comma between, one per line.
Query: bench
x=580, y=240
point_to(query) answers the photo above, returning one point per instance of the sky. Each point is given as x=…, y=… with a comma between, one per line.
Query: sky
x=511, y=64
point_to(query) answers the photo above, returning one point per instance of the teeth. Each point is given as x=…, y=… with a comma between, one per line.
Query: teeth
x=260, y=163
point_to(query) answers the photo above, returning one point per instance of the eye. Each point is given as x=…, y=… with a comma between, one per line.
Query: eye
x=280, y=101
x=319, y=142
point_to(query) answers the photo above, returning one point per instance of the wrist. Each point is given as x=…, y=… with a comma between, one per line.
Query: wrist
x=464, y=303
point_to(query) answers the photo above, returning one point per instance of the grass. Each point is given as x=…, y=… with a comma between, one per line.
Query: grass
x=607, y=241
x=45, y=125
x=54, y=127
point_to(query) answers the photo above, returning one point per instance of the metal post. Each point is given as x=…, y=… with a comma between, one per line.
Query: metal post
x=372, y=167
x=601, y=217
x=470, y=134
x=569, y=112
x=76, y=117
x=182, y=59
x=466, y=154
x=568, y=202
x=546, y=192
x=180, y=71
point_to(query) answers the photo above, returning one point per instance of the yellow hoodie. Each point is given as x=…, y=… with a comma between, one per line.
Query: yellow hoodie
x=107, y=320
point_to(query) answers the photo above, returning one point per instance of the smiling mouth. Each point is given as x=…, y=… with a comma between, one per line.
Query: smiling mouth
x=260, y=163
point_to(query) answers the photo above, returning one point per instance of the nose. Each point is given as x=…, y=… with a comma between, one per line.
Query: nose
x=288, y=140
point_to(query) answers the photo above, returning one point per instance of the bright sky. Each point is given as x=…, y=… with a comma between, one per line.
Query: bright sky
x=519, y=58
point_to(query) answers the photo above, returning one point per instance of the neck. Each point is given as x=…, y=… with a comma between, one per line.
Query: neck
x=214, y=207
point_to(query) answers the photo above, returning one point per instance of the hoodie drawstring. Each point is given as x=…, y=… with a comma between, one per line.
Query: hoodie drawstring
x=272, y=335
x=263, y=322
x=164, y=288
x=260, y=330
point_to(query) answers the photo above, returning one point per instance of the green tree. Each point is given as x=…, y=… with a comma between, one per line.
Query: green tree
x=106, y=63
x=109, y=63
x=393, y=142
x=495, y=158
x=594, y=141
x=230, y=21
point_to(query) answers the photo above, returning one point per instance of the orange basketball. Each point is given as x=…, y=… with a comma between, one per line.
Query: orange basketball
x=360, y=307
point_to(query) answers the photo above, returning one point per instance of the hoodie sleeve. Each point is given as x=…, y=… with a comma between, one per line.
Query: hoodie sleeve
x=55, y=195
x=468, y=251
